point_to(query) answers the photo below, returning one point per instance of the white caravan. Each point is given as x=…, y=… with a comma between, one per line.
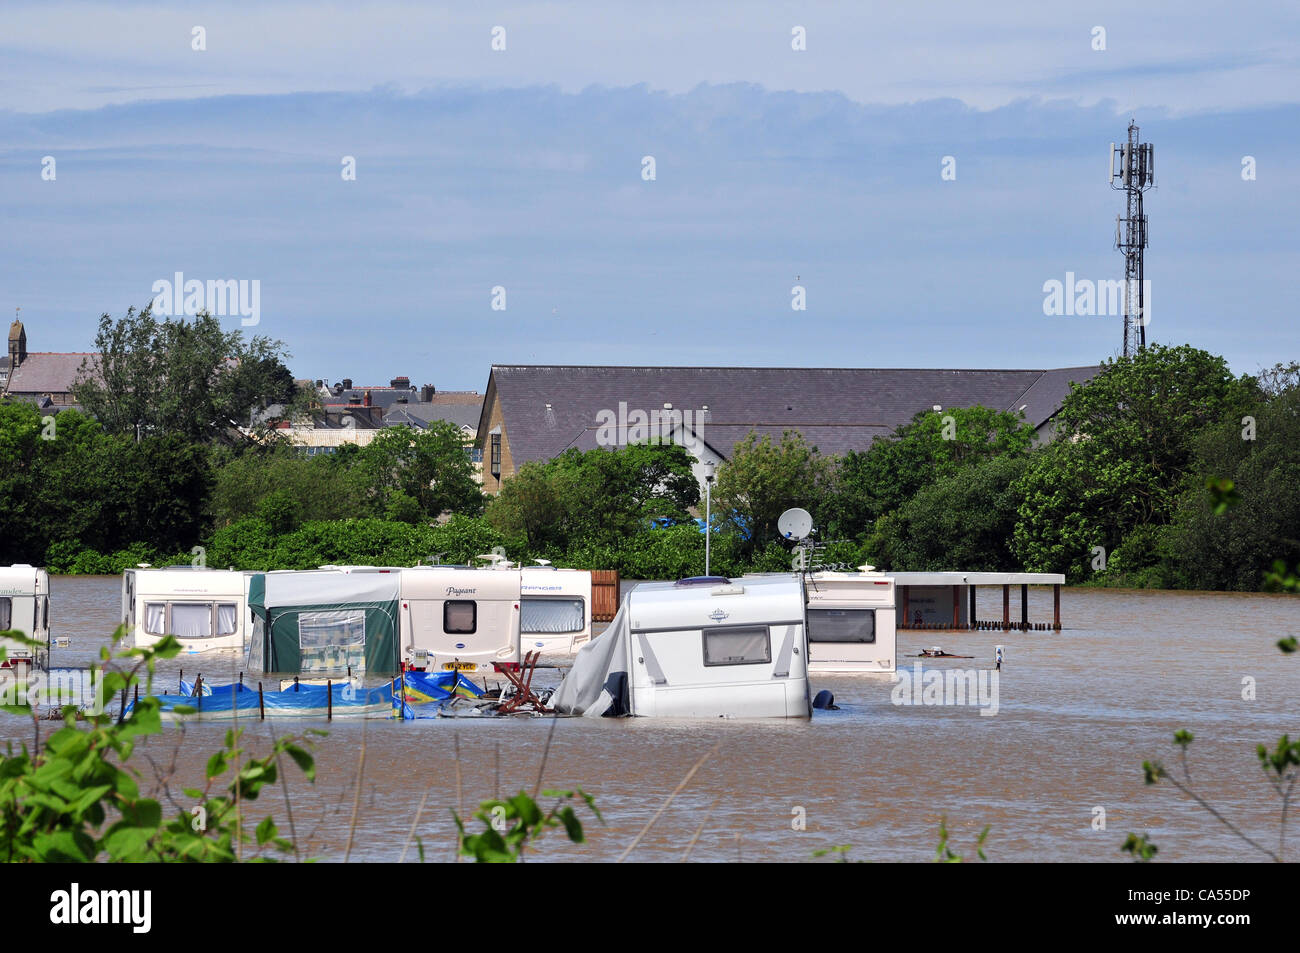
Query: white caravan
x=25, y=608
x=851, y=624
x=206, y=609
x=554, y=609
x=457, y=618
x=706, y=647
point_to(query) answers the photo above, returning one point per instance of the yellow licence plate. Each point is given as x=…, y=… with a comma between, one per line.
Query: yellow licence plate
x=459, y=666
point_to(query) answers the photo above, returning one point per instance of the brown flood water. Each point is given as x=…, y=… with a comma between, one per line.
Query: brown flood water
x=1078, y=712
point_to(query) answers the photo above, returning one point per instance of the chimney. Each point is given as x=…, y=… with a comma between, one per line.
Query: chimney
x=320, y=384
x=347, y=383
x=400, y=383
x=426, y=393
x=367, y=400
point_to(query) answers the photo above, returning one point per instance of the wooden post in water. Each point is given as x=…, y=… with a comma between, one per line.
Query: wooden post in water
x=1024, y=605
x=1056, y=607
x=1006, y=606
x=295, y=683
x=261, y=704
x=329, y=699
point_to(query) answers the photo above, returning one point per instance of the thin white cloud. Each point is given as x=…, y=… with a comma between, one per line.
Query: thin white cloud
x=1182, y=56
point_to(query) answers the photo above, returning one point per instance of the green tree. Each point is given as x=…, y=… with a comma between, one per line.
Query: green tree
x=599, y=498
x=430, y=467
x=932, y=446
x=762, y=480
x=530, y=510
x=180, y=376
x=1124, y=445
x=1214, y=546
x=962, y=520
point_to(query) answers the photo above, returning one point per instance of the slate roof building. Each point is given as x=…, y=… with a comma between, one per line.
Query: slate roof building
x=41, y=377
x=535, y=412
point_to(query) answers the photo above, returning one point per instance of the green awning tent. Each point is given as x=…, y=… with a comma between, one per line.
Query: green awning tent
x=320, y=623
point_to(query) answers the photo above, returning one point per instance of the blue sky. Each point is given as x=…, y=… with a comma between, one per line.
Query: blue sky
x=522, y=168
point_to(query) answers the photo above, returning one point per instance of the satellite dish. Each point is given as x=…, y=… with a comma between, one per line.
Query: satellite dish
x=795, y=524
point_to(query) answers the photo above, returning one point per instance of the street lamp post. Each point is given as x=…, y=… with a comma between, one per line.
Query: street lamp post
x=708, y=511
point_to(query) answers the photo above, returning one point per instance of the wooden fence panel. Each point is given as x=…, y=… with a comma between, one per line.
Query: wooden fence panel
x=604, y=594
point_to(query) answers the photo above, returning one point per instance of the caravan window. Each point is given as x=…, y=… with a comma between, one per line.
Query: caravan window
x=6, y=611
x=737, y=645
x=319, y=630
x=841, y=625
x=191, y=620
x=227, y=617
x=155, y=618
x=552, y=615
x=460, y=617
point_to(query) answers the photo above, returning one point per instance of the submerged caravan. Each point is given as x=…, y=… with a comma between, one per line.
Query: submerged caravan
x=703, y=647
x=25, y=608
x=206, y=609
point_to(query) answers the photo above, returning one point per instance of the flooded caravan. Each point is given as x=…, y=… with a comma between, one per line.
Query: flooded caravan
x=554, y=609
x=706, y=647
x=25, y=608
x=851, y=624
x=460, y=619
x=325, y=623
x=206, y=609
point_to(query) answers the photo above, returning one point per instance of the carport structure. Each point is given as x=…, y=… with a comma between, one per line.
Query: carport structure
x=946, y=600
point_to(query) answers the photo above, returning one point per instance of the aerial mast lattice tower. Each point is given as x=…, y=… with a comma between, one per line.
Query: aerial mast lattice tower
x=1133, y=171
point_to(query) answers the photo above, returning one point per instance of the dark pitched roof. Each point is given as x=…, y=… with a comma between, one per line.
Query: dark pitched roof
x=837, y=409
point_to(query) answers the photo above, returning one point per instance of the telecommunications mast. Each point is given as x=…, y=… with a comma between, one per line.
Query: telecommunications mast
x=1133, y=170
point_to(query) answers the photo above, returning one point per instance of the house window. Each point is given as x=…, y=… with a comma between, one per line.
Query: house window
x=460, y=617
x=737, y=645
x=6, y=611
x=496, y=455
